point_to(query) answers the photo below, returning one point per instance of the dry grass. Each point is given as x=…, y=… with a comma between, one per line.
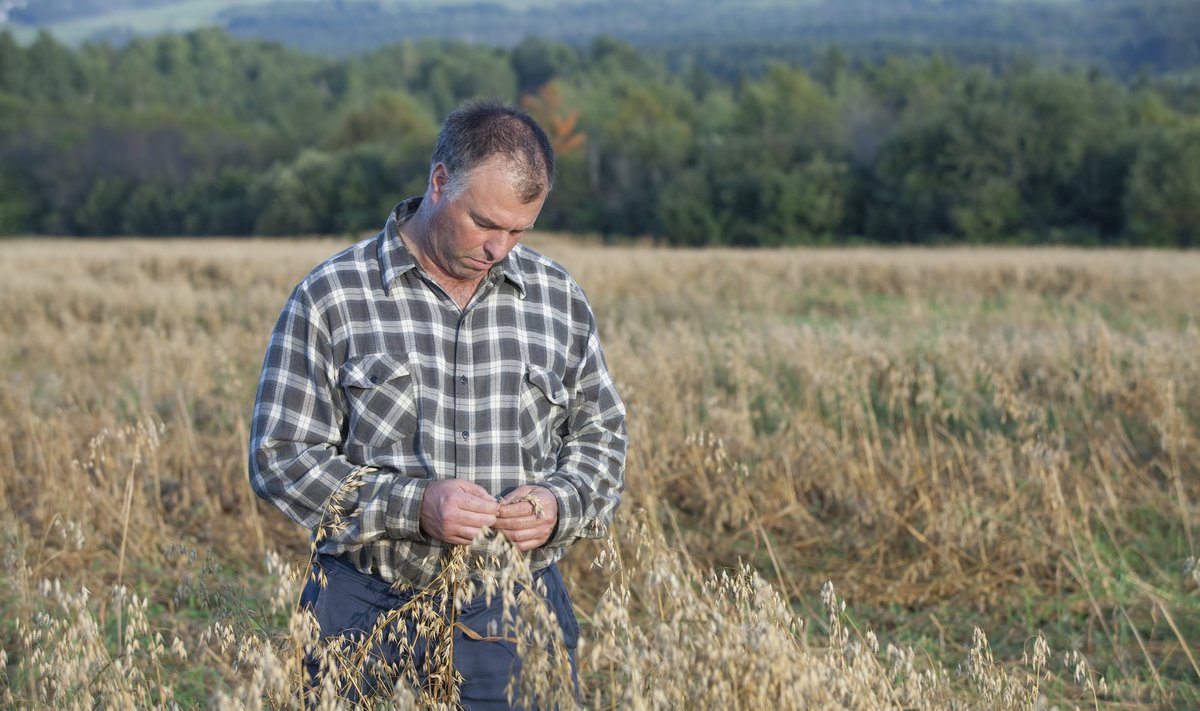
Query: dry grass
x=992, y=454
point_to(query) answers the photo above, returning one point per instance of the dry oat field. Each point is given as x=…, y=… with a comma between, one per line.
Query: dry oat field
x=861, y=478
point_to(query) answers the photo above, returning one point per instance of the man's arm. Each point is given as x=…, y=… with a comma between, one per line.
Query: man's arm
x=580, y=499
x=296, y=461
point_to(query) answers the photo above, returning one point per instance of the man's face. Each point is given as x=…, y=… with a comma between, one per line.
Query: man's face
x=479, y=226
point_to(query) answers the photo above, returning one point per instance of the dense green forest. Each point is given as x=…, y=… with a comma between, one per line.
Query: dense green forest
x=204, y=133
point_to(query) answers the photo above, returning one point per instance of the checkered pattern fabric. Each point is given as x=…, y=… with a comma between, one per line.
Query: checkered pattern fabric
x=373, y=370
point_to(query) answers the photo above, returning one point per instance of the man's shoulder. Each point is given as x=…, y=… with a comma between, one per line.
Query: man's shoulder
x=539, y=268
x=356, y=266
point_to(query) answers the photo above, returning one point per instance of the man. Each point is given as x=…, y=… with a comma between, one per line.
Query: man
x=456, y=377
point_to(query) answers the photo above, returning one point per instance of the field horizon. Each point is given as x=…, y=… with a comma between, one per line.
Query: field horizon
x=868, y=477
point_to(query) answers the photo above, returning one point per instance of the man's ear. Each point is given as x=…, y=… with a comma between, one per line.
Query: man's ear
x=439, y=178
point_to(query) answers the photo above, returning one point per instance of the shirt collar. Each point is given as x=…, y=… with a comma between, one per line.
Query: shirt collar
x=395, y=259
x=509, y=269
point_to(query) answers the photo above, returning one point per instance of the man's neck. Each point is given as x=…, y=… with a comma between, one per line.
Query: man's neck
x=415, y=238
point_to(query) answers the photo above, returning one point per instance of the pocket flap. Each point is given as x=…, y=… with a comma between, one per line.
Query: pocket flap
x=372, y=370
x=549, y=383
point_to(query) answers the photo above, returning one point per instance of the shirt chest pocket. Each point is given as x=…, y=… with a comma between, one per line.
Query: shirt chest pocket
x=381, y=400
x=543, y=410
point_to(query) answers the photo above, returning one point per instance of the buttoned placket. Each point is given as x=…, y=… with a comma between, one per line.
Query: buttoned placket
x=461, y=378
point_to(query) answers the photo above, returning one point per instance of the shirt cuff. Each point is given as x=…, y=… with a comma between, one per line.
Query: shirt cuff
x=404, y=508
x=570, y=512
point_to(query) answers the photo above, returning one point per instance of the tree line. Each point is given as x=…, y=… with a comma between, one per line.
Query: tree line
x=205, y=134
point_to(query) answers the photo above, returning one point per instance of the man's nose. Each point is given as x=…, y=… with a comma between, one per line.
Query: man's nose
x=496, y=245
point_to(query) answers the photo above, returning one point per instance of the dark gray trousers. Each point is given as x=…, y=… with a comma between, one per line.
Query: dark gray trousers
x=352, y=601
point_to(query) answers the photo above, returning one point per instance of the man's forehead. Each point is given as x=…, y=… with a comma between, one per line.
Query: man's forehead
x=493, y=199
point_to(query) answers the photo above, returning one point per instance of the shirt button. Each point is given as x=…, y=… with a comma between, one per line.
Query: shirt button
x=466, y=434
x=462, y=379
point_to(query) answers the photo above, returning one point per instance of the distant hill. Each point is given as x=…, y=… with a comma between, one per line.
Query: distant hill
x=1124, y=36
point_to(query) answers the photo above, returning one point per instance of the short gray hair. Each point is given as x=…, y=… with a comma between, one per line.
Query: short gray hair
x=480, y=130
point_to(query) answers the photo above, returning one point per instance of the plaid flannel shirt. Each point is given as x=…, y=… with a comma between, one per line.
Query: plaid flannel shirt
x=372, y=368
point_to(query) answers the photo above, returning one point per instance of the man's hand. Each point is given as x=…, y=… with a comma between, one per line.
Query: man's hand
x=454, y=510
x=521, y=521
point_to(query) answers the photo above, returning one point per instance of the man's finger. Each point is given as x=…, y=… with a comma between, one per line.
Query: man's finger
x=478, y=504
x=520, y=509
x=516, y=523
x=463, y=517
x=463, y=535
x=526, y=539
x=472, y=488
